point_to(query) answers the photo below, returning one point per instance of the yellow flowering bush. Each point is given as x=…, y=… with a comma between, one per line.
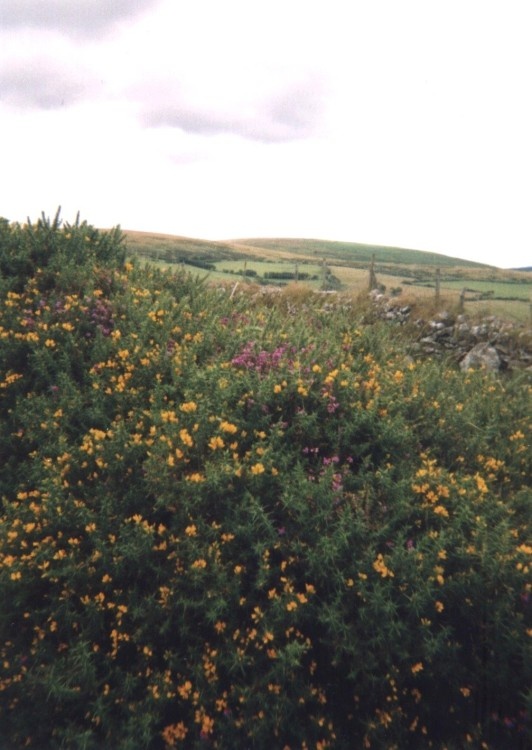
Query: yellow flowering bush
x=221, y=526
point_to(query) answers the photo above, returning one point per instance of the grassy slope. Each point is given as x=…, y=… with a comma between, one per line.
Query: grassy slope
x=146, y=243
x=354, y=251
x=269, y=248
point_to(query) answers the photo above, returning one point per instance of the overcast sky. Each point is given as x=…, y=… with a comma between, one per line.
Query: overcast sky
x=406, y=123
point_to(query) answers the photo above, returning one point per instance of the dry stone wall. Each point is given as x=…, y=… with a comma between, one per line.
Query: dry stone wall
x=492, y=344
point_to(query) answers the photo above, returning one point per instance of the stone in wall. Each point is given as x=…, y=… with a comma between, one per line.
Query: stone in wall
x=483, y=357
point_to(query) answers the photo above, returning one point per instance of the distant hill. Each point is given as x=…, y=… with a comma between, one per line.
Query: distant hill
x=173, y=248
x=356, y=252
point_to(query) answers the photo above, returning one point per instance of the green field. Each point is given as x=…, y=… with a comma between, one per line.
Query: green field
x=521, y=290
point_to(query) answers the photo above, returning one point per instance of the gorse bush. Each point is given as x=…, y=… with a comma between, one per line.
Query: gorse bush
x=52, y=255
x=222, y=526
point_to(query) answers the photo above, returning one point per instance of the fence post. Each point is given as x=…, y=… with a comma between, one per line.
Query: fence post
x=437, y=285
x=372, y=277
x=462, y=300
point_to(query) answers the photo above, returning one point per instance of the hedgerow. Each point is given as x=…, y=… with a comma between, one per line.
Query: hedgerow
x=225, y=526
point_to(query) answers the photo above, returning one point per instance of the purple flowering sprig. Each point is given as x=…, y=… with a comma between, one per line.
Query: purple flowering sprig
x=101, y=315
x=340, y=469
x=261, y=361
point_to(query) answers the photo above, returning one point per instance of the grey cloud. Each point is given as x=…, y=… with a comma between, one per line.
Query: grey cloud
x=299, y=107
x=189, y=120
x=292, y=114
x=79, y=17
x=42, y=84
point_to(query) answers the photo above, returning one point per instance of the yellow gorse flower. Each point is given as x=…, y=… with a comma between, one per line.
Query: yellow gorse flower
x=195, y=477
x=188, y=407
x=186, y=438
x=380, y=567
